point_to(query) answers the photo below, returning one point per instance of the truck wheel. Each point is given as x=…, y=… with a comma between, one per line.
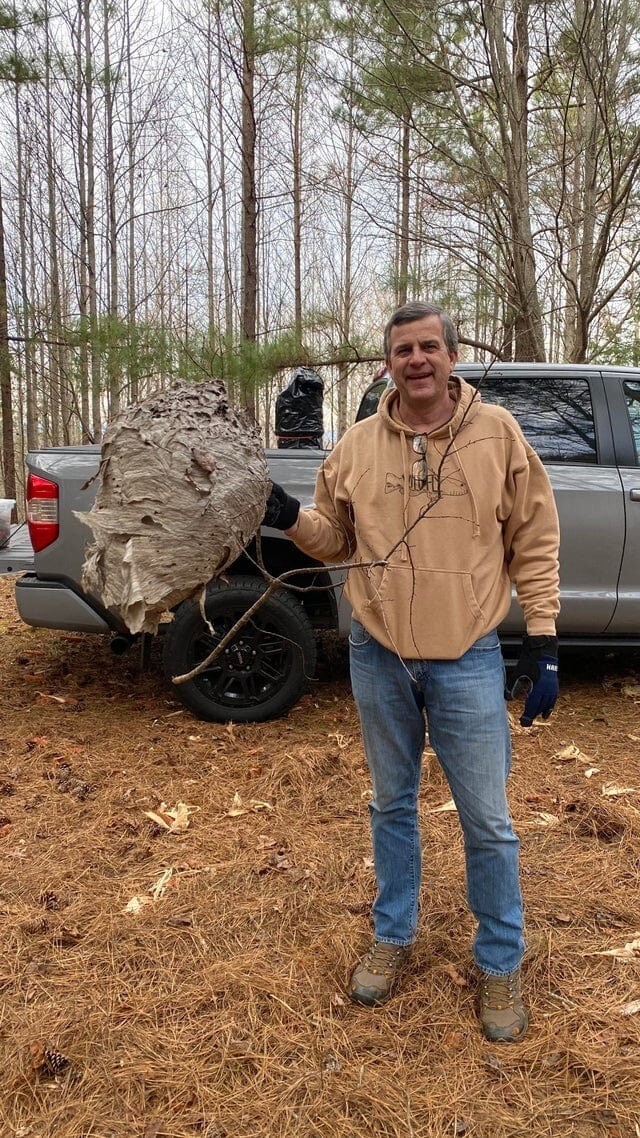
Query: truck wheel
x=261, y=673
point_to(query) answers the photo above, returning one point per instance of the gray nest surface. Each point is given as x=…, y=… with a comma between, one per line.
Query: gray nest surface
x=183, y=490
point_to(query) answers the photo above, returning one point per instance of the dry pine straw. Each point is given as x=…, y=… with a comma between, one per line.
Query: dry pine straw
x=219, y=1008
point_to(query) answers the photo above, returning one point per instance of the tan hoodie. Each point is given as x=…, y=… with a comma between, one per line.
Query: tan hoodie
x=434, y=545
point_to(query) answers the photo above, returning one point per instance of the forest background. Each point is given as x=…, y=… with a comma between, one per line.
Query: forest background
x=239, y=187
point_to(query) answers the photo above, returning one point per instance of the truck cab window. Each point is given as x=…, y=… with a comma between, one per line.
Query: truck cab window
x=632, y=397
x=556, y=415
x=371, y=398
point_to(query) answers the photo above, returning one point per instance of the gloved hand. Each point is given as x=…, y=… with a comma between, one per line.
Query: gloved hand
x=281, y=510
x=536, y=673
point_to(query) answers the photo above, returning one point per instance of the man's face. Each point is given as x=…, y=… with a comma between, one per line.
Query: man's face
x=420, y=362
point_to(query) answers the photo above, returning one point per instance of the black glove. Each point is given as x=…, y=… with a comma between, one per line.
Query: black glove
x=536, y=673
x=281, y=510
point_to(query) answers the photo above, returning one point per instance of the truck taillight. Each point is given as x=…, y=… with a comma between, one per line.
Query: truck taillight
x=42, y=511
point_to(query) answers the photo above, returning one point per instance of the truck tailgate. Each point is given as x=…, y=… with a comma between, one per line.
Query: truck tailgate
x=17, y=556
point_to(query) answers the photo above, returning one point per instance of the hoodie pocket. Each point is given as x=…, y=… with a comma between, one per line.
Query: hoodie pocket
x=428, y=614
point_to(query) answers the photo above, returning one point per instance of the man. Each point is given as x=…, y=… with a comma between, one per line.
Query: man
x=439, y=503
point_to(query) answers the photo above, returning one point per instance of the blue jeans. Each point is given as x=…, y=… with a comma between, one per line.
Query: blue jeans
x=469, y=731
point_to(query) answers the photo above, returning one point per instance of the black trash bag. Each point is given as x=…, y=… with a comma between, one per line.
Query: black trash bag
x=299, y=412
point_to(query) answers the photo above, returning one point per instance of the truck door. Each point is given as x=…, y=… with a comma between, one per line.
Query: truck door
x=563, y=414
x=623, y=394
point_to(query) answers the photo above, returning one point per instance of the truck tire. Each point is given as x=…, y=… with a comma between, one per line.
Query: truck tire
x=261, y=673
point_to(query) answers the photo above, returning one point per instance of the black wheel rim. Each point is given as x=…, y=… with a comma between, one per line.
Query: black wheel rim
x=253, y=667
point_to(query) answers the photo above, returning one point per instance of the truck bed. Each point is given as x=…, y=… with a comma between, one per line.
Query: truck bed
x=17, y=555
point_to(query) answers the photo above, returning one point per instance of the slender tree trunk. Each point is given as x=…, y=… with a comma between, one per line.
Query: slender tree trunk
x=132, y=339
x=296, y=189
x=224, y=204
x=405, y=198
x=6, y=397
x=96, y=410
x=83, y=282
x=54, y=323
x=113, y=377
x=511, y=79
x=249, y=289
x=345, y=315
x=31, y=416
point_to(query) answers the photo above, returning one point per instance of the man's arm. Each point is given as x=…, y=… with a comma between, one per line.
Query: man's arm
x=532, y=539
x=324, y=531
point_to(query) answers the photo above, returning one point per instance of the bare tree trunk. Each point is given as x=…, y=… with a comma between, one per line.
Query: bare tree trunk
x=6, y=397
x=405, y=195
x=296, y=189
x=132, y=369
x=83, y=283
x=96, y=410
x=224, y=205
x=113, y=378
x=31, y=415
x=512, y=105
x=208, y=104
x=249, y=197
x=345, y=314
x=54, y=324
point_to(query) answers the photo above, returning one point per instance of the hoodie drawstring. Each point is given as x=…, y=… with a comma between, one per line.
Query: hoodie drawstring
x=475, y=517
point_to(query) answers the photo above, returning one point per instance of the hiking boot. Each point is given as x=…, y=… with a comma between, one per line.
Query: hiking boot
x=502, y=1014
x=374, y=978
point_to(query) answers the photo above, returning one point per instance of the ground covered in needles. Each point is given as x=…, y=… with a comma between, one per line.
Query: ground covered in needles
x=183, y=974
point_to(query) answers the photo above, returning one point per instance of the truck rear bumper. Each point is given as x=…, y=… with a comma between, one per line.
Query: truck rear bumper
x=17, y=556
x=52, y=604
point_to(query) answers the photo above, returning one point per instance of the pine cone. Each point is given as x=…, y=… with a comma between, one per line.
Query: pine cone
x=54, y=1062
x=49, y=900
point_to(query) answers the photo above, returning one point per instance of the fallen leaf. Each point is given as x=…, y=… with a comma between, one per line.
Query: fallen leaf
x=632, y=691
x=630, y=1009
x=230, y=730
x=456, y=976
x=610, y=790
x=591, y=771
x=61, y=699
x=542, y=819
x=634, y=738
x=445, y=808
x=341, y=740
x=368, y=862
x=568, y=754
x=160, y=887
x=630, y=951
x=175, y=819
x=136, y=905
x=236, y=807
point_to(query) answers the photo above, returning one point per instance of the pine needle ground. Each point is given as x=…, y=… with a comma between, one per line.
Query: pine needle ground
x=182, y=984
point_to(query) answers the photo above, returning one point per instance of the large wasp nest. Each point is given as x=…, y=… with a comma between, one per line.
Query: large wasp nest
x=183, y=490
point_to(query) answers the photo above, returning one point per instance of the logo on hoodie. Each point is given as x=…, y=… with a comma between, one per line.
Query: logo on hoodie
x=425, y=481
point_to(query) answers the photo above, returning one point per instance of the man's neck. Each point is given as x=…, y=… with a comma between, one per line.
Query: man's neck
x=425, y=420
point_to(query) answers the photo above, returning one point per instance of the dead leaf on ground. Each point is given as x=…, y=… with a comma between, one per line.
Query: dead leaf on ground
x=448, y=807
x=175, y=819
x=630, y=1009
x=632, y=691
x=630, y=951
x=136, y=904
x=542, y=819
x=253, y=805
x=454, y=975
x=65, y=700
x=570, y=753
x=612, y=790
x=591, y=771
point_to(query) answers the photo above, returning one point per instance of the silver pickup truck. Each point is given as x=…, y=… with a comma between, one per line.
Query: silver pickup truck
x=584, y=421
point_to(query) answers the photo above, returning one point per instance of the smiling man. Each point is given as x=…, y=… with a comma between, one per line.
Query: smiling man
x=438, y=503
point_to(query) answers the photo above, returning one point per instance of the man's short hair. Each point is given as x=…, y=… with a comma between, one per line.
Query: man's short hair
x=416, y=310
